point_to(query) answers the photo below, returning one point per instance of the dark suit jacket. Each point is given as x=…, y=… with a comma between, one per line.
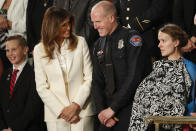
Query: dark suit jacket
x=35, y=13
x=183, y=15
x=81, y=10
x=24, y=110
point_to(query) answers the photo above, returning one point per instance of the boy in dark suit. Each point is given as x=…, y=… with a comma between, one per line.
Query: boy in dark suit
x=20, y=106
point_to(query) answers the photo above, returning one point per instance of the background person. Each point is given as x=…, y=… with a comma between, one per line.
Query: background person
x=12, y=21
x=35, y=14
x=183, y=15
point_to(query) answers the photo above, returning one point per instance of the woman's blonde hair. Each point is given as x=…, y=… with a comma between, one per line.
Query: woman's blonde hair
x=53, y=18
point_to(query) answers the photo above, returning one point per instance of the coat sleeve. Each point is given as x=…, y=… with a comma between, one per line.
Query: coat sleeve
x=19, y=24
x=2, y=121
x=42, y=84
x=85, y=88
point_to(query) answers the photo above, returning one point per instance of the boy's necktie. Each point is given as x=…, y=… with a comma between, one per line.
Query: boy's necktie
x=12, y=81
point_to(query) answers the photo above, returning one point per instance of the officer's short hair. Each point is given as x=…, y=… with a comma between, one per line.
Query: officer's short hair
x=107, y=6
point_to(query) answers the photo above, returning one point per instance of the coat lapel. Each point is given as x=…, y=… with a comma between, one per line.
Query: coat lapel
x=55, y=64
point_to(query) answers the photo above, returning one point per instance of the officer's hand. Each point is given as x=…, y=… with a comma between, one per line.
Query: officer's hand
x=105, y=115
x=111, y=122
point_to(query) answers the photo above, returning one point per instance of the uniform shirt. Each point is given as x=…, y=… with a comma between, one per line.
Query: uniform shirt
x=126, y=56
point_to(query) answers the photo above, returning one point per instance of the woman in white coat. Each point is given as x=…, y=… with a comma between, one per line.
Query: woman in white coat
x=63, y=74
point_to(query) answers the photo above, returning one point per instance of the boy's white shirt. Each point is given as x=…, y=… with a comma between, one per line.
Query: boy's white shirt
x=20, y=68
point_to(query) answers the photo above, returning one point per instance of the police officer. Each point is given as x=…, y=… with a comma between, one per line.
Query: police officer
x=145, y=16
x=117, y=61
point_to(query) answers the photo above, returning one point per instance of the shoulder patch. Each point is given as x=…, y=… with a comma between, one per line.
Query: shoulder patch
x=135, y=40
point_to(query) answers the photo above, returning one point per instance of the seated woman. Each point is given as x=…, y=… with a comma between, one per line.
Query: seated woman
x=166, y=90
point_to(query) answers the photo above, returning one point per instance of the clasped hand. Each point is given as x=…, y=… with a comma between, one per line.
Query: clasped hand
x=107, y=118
x=71, y=113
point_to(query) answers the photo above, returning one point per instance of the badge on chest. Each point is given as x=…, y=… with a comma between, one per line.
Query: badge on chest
x=120, y=44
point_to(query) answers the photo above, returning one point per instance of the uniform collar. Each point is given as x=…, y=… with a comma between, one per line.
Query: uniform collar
x=115, y=31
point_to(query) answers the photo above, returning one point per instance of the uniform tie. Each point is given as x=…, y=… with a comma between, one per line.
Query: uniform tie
x=12, y=81
x=110, y=87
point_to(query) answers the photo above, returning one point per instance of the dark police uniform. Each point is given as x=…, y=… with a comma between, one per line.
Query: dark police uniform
x=115, y=79
x=145, y=16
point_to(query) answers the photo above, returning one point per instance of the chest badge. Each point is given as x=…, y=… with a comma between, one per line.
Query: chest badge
x=120, y=44
x=99, y=52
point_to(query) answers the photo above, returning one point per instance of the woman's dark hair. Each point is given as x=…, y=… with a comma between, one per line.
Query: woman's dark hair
x=53, y=18
x=176, y=33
